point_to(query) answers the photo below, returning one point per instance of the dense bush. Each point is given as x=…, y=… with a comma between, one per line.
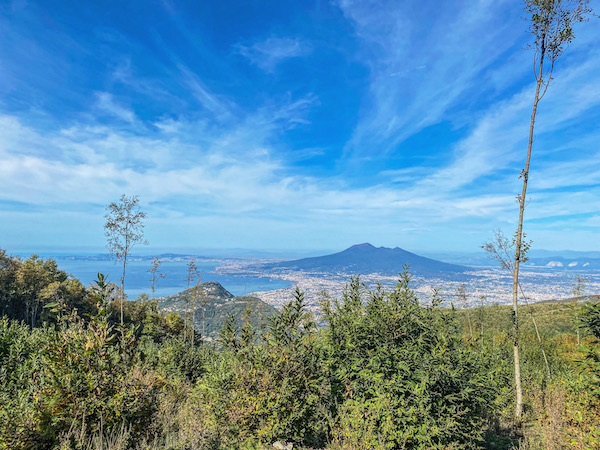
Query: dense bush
x=21, y=378
x=402, y=376
x=591, y=323
x=77, y=375
x=271, y=388
x=92, y=381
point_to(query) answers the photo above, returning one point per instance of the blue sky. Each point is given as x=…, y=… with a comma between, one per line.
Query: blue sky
x=297, y=125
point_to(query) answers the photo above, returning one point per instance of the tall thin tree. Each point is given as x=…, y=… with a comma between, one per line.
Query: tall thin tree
x=156, y=275
x=190, y=296
x=551, y=25
x=124, y=228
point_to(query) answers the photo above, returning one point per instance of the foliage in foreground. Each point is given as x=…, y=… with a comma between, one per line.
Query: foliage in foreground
x=383, y=372
x=402, y=376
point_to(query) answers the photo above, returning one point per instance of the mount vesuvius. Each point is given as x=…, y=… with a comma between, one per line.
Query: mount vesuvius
x=366, y=259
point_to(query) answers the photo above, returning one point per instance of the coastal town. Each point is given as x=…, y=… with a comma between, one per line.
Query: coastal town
x=483, y=285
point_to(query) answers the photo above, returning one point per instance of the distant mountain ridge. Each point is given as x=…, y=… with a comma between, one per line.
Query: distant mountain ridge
x=559, y=262
x=366, y=259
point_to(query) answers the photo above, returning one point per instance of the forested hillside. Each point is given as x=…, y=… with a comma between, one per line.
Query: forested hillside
x=383, y=372
x=208, y=306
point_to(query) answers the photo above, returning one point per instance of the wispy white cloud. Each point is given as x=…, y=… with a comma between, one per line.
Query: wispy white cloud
x=560, y=175
x=490, y=146
x=212, y=102
x=498, y=140
x=168, y=125
x=254, y=196
x=239, y=172
x=268, y=54
x=106, y=103
x=233, y=164
x=417, y=74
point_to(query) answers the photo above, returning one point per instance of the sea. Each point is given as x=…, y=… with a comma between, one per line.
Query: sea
x=137, y=277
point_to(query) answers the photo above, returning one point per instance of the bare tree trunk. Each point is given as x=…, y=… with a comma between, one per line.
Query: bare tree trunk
x=519, y=243
x=461, y=293
x=185, y=316
x=123, y=287
x=203, y=321
x=193, y=325
x=537, y=331
x=481, y=318
x=469, y=320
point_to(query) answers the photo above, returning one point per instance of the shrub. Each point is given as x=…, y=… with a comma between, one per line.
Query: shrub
x=401, y=374
x=21, y=377
x=272, y=389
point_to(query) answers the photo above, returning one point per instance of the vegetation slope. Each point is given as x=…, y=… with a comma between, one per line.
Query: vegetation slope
x=383, y=372
x=208, y=306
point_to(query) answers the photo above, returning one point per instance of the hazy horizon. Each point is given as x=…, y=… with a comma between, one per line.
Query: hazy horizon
x=272, y=253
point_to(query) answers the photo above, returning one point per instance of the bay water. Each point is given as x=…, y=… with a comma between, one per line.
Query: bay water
x=137, y=277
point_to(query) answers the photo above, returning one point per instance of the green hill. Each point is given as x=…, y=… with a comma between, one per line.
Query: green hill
x=210, y=304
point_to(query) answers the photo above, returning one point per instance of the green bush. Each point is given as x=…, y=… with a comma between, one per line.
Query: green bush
x=21, y=378
x=591, y=323
x=175, y=359
x=402, y=377
x=91, y=380
x=269, y=390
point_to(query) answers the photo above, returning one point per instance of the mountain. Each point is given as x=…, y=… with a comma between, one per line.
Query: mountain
x=571, y=254
x=559, y=262
x=365, y=259
x=212, y=304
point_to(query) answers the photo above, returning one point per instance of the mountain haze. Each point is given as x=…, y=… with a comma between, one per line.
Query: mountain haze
x=365, y=258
